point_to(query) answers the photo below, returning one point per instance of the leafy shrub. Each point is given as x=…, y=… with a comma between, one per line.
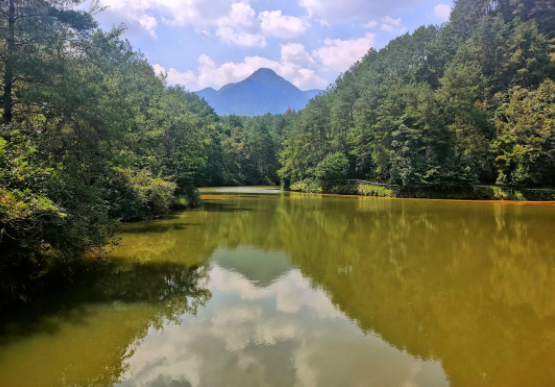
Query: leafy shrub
x=496, y=193
x=374, y=190
x=335, y=166
x=138, y=195
x=340, y=189
x=499, y=194
x=307, y=185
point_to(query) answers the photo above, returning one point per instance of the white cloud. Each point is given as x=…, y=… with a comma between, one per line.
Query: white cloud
x=390, y=20
x=340, y=55
x=387, y=24
x=234, y=22
x=318, y=345
x=372, y=24
x=333, y=11
x=295, y=53
x=274, y=23
x=209, y=74
x=174, y=76
x=233, y=37
x=443, y=11
x=392, y=26
x=240, y=27
x=307, y=79
x=149, y=23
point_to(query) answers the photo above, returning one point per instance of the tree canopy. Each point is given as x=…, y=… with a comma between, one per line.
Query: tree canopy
x=464, y=103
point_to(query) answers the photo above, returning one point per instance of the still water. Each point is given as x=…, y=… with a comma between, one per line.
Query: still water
x=260, y=288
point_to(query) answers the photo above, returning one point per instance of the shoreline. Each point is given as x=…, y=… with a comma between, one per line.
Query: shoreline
x=474, y=193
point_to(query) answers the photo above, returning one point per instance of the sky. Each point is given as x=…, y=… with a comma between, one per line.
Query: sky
x=210, y=43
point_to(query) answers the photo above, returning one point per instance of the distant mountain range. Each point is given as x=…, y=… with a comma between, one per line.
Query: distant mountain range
x=263, y=92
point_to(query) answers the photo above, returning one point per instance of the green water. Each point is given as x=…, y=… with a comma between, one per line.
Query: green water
x=296, y=290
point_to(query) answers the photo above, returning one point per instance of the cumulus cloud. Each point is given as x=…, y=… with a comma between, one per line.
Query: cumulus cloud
x=174, y=76
x=209, y=74
x=393, y=26
x=274, y=23
x=234, y=22
x=372, y=24
x=387, y=24
x=333, y=11
x=340, y=55
x=233, y=37
x=317, y=345
x=443, y=12
x=295, y=53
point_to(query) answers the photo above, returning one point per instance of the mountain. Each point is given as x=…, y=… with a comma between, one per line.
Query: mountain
x=263, y=92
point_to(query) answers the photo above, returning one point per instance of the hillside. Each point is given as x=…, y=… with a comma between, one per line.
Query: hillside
x=263, y=92
x=468, y=102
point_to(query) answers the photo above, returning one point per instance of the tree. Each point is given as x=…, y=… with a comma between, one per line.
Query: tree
x=334, y=166
x=36, y=32
x=525, y=142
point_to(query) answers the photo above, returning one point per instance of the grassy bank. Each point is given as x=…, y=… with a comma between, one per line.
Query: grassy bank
x=357, y=187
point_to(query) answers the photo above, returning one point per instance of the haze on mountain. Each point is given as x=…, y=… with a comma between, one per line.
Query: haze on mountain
x=263, y=92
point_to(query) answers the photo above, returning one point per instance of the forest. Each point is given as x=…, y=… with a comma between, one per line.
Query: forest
x=469, y=102
x=91, y=136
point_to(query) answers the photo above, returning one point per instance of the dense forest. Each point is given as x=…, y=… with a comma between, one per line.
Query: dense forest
x=466, y=103
x=92, y=136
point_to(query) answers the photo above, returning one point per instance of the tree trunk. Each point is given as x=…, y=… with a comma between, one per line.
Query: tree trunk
x=9, y=65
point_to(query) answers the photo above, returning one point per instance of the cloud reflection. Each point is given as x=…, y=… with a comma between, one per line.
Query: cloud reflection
x=283, y=334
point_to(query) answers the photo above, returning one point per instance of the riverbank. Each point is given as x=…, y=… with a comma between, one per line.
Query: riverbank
x=476, y=192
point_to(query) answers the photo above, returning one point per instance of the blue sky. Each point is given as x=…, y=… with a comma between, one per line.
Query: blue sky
x=210, y=43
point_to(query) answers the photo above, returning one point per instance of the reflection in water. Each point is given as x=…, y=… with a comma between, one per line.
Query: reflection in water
x=283, y=334
x=85, y=338
x=301, y=290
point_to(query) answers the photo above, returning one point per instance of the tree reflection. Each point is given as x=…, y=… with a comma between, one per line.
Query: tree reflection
x=469, y=284
x=86, y=337
x=466, y=284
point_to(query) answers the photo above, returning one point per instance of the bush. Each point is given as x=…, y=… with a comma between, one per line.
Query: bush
x=499, y=194
x=307, y=185
x=374, y=190
x=140, y=196
x=335, y=166
x=38, y=235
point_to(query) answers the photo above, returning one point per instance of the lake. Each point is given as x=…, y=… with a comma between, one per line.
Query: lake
x=264, y=288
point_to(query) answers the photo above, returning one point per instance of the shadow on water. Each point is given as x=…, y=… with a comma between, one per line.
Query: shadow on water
x=169, y=289
x=225, y=207
x=161, y=226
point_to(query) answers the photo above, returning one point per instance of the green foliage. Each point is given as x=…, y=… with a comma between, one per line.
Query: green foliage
x=140, y=196
x=244, y=150
x=443, y=109
x=375, y=190
x=91, y=136
x=334, y=166
x=525, y=142
x=307, y=185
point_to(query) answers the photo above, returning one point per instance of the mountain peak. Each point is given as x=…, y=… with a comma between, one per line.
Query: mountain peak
x=264, y=70
x=262, y=92
x=264, y=74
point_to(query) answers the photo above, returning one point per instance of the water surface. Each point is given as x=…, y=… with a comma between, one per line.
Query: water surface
x=261, y=288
